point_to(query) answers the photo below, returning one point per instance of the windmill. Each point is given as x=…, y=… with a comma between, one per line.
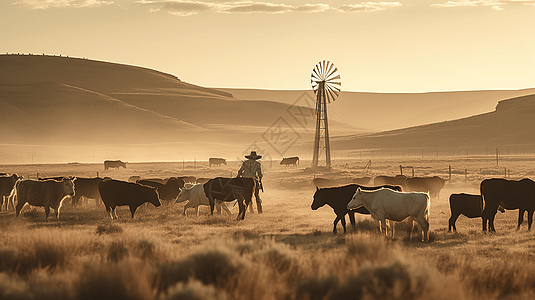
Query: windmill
x=326, y=84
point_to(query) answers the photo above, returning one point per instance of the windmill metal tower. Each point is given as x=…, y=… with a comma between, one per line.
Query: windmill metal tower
x=326, y=84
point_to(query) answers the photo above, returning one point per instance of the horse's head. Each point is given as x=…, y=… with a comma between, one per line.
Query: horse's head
x=319, y=199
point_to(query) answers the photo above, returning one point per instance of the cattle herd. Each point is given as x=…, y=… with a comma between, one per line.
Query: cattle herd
x=50, y=193
x=387, y=199
x=398, y=198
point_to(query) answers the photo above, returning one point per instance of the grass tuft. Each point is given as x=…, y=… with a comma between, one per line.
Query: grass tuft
x=108, y=229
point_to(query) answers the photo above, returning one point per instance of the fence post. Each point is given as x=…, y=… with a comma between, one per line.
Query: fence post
x=449, y=173
x=465, y=175
x=401, y=169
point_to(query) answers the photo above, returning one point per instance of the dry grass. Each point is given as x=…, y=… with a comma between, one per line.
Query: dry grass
x=289, y=252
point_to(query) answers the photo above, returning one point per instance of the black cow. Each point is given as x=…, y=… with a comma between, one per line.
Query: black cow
x=6, y=186
x=87, y=188
x=400, y=180
x=230, y=189
x=431, y=185
x=287, y=161
x=168, y=191
x=118, y=193
x=216, y=161
x=468, y=205
x=338, y=198
x=509, y=194
x=114, y=164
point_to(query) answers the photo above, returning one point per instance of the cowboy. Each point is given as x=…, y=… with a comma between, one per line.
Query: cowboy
x=253, y=169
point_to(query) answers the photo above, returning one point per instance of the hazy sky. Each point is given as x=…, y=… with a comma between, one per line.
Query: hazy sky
x=396, y=46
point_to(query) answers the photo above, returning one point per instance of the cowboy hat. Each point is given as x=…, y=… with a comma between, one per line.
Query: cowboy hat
x=253, y=155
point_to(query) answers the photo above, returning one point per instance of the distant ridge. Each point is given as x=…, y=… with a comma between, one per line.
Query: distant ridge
x=510, y=125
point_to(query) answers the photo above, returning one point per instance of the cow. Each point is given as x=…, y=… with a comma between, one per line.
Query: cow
x=168, y=191
x=400, y=180
x=195, y=196
x=87, y=188
x=47, y=193
x=119, y=193
x=7, y=183
x=338, y=198
x=362, y=180
x=202, y=180
x=288, y=161
x=216, y=161
x=230, y=189
x=431, y=185
x=116, y=164
x=393, y=205
x=509, y=194
x=468, y=205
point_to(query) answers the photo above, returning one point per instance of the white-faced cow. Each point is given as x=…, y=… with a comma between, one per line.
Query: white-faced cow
x=114, y=164
x=288, y=161
x=213, y=161
x=338, y=198
x=230, y=189
x=396, y=206
x=432, y=185
x=120, y=193
x=7, y=183
x=509, y=194
x=195, y=196
x=468, y=205
x=86, y=188
x=47, y=194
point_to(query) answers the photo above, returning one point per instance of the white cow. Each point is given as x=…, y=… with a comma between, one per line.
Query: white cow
x=396, y=206
x=196, y=196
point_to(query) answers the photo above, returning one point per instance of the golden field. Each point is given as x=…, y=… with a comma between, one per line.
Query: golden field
x=289, y=252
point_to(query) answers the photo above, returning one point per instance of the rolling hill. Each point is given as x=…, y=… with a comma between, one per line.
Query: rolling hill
x=389, y=111
x=111, y=110
x=509, y=126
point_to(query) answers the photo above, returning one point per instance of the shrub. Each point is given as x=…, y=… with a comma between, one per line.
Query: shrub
x=108, y=229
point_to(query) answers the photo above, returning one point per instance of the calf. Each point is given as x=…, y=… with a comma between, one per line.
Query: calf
x=468, y=205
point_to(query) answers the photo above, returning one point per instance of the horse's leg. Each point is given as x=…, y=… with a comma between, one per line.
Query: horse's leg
x=343, y=221
x=352, y=218
x=451, y=222
x=520, y=217
x=336, y=223
x=530, y=219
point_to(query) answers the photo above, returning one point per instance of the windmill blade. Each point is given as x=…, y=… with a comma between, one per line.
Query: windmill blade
x=325, y=71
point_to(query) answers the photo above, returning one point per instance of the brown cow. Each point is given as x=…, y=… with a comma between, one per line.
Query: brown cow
x=7, y=183
x=431, y=185
x=114, y=164
x=47, y=193
x=400, y=180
